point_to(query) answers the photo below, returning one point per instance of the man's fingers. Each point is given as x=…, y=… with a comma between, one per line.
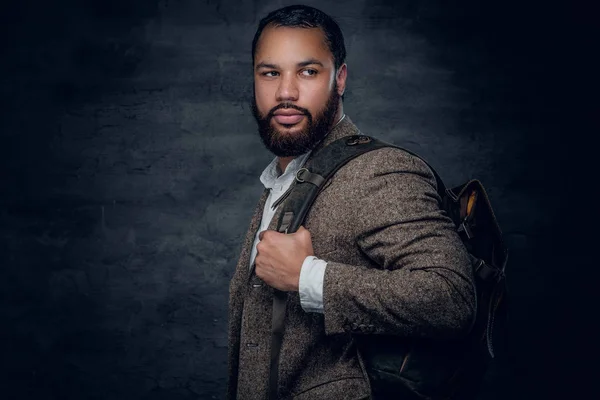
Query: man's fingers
x=268, y=234
x=259, y=270
x=262, y=234
x=303, y=233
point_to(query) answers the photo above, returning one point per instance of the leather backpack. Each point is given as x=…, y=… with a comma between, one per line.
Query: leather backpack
x=406, y=368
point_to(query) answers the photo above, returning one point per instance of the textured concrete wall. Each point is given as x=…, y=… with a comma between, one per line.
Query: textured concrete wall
x=129, y=168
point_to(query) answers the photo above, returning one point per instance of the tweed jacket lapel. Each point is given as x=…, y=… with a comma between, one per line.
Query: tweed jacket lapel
x=244, y=259
x=237, y=291
x=241, y=273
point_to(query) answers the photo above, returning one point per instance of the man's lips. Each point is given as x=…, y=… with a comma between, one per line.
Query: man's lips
x=288, y=117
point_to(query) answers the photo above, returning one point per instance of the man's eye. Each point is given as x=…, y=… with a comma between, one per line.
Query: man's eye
x=309, y=72
x=269, y=73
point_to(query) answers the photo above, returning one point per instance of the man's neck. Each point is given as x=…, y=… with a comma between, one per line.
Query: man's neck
x=283, y=162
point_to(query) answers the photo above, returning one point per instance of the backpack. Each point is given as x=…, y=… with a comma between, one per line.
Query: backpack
x=414, y=368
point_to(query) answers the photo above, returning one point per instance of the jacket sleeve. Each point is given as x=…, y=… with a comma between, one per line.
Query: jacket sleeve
x=423, y=284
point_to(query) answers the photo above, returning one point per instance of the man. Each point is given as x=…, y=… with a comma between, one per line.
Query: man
x=375, y=257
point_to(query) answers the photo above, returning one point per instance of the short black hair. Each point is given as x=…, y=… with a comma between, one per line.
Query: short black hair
x=301, y=16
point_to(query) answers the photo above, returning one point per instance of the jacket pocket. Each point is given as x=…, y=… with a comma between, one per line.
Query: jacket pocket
x=347, y=388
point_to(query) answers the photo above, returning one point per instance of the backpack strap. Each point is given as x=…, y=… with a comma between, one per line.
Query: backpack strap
x=309, y=181
x=321, y=167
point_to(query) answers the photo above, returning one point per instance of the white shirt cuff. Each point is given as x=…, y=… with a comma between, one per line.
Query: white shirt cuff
x=310, y=286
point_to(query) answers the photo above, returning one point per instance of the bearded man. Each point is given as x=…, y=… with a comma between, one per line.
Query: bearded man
x=376, y=256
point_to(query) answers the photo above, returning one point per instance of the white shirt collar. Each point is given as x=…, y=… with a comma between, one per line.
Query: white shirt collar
x=269, y=176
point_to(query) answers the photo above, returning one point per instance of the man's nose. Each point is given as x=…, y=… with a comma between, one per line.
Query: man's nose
x=288, y=88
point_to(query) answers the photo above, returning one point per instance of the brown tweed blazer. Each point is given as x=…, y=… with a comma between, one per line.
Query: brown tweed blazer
x=395, y=266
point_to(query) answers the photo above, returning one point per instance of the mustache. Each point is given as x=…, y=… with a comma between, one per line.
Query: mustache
x=287, y=105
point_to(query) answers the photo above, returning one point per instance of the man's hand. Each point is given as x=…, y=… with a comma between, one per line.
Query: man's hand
x=280, y=256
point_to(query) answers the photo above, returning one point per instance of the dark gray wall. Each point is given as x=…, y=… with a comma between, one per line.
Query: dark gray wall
x=129, y=168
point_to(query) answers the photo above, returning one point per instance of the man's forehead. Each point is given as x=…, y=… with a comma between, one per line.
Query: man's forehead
x=277, y=41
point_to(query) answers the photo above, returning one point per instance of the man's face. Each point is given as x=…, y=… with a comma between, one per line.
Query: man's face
x=296, y=89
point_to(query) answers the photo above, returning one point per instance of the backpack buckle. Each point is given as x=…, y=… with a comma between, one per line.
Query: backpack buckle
x=357, y=139
x=465, y=229
x=304, y=175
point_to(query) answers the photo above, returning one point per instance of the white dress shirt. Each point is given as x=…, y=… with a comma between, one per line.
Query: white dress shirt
x=312, y=273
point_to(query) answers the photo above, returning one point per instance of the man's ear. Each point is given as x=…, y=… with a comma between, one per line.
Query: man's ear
x=340, y=77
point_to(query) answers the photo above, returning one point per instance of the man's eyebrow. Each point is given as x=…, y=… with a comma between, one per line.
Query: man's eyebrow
x=300, y=64
x=265, y=65
x=310, y=62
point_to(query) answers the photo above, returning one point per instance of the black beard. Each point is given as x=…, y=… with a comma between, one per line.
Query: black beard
x=293, y=145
